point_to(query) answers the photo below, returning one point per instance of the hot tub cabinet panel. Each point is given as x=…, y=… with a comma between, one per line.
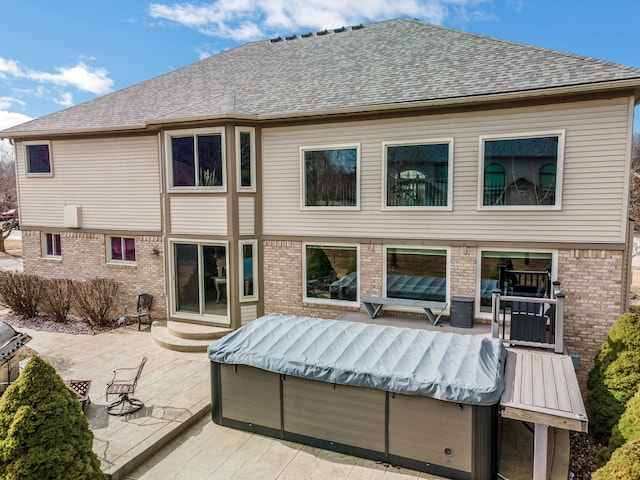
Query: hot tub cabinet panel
x=442, y=438
x=247, y=398
x=336, y=413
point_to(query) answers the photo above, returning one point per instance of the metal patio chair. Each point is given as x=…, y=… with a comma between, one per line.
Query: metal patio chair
x=124, y=384
x=143, y=309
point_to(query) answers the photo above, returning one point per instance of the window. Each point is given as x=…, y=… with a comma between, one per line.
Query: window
x=196, y=159
x=38, y=158
x=248, y=270
x=121, y=249
x=416, y=273
x=51, y=246
x=246, y=155
x=522, y=172
x=524, y=273
x=417, y=175
x=200, y=281
x=331, y=273
x=330, y=177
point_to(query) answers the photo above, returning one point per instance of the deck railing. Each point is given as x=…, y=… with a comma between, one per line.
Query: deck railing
x=553, y=317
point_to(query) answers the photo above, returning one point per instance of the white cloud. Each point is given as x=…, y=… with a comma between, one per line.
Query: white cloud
x=6, y=102
x=243, y=20
x=66, y=99
x=10, y=119
x=81, y=76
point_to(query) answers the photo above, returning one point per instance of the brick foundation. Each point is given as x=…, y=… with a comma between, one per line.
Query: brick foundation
x=590, y=279
x=84, y=257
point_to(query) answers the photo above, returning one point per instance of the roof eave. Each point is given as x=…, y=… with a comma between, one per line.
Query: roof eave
x=154, y=124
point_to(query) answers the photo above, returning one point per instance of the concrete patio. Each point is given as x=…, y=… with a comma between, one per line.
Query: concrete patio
x=173, y=437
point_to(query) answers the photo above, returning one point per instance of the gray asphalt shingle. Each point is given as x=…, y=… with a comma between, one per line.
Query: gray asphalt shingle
x=391, y=62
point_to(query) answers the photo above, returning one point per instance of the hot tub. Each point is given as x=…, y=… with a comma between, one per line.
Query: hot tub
x=415, y=398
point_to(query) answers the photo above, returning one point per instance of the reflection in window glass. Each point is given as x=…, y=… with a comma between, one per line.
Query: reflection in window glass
x=418, y=274
x=524, y=274
x=52, y=245
x=196, y=160
x=247, y=267
x=201, y=279
x=417, y=175
x=38, y=159
x=245, y=159
x=331, y=272
x=522, y=160
x=330, y=177
x=123, y=249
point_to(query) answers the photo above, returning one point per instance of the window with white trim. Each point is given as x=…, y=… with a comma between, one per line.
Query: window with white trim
x=416, y=273
x=522, y=171
x=121, y=250
x=418, y=174
x=330, y=177
x=38, y=159
x=246, y=159
x=524, y=273
x=248, y=270
x=196, y=159
x=331, y=273
x=51, y=245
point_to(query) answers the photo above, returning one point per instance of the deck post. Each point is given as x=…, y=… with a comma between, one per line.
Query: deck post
x=559, y=340
x=495, y=313
x=541, y=439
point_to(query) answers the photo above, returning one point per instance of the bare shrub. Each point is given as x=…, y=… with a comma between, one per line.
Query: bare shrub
x=56, y=298
x=95, y=300
x=21, y=292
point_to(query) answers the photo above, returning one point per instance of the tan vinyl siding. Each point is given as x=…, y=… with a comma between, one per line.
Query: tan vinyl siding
x=246, y=216
x=198, y=214
x=116, y=181
x=596, y=138
x=248, y=313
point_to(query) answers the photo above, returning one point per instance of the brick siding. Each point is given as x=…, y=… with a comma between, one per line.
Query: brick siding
x=84, y=258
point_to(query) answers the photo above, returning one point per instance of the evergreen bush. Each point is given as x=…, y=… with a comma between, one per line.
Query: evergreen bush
x=43, y=432
x=627, y=429
x=615, y=377
x=21, y=292
x=96, y=299
x=624, y=464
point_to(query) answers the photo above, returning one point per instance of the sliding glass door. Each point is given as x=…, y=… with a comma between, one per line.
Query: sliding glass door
x=200, y=282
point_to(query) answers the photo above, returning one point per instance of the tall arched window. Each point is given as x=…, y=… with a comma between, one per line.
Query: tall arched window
x=493, y=184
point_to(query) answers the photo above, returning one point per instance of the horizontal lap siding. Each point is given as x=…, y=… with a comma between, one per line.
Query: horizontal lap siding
x=199, y=214
x=116, y=182
x=594, y=177
x=246, y=216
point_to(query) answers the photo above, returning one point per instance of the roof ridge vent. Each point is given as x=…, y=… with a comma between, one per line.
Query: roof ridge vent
x=291, y=37
x=306, y=35
x=357, y=27
x=323, y=32
x=339, y=30
x=276, y=40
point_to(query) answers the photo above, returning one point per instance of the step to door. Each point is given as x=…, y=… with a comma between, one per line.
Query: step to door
x=185, y=337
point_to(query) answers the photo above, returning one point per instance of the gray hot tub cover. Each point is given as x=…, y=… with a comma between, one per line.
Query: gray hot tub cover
x=458, y=368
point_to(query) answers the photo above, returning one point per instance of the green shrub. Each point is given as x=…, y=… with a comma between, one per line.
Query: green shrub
x=96, y=299
x=43, y=432
x=56, y=298
x=627, y=429
x=624, y=464
x=615, y=377
x=21, y=292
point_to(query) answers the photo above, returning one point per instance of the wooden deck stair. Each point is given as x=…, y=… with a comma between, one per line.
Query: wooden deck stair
x=186, y=337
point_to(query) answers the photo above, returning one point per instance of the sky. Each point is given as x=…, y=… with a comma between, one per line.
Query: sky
x=54, y=55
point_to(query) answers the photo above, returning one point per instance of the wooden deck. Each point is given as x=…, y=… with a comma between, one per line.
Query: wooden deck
x=542, y=388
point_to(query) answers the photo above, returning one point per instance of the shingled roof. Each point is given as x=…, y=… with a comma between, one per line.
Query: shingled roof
x=389, y=64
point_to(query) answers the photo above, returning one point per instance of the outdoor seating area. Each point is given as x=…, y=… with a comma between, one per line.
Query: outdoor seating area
x=123, y=384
